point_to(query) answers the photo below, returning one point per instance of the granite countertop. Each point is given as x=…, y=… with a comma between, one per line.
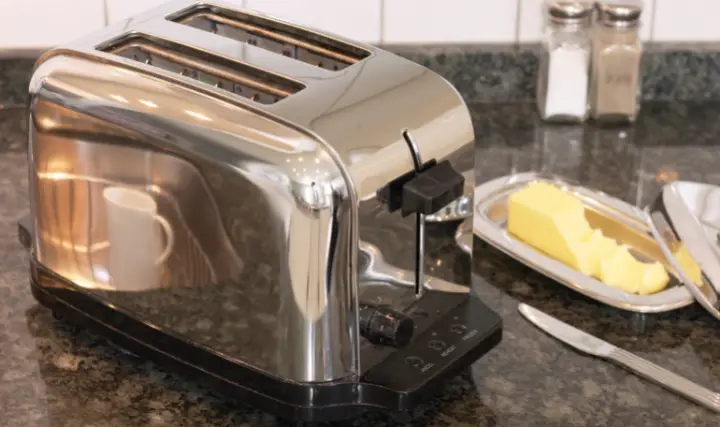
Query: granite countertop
x=55, y=374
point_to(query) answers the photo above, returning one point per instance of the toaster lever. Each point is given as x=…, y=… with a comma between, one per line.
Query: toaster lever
x=425, y=190
x=393, y=194
x=432, y=189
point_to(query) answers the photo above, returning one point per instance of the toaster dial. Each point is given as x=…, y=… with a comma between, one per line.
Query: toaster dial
x=385, y=326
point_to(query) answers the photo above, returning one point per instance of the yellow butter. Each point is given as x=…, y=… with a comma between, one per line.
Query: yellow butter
x=599, y=248
x=552, y=221
x=623, y=271
x=688, y=265
x=654, y=280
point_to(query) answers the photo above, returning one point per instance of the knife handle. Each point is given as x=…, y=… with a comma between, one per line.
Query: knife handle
x=667, y=379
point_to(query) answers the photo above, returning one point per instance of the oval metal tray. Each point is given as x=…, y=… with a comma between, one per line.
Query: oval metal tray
x=617, y=219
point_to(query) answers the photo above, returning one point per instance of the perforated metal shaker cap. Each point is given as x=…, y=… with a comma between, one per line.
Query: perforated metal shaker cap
x=619, y=12
x=569, y=10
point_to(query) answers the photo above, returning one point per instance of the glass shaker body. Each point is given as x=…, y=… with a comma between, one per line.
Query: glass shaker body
x=616, y=77
x=563, y=76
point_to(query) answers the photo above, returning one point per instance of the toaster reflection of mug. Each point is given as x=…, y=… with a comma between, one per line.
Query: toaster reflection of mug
x=125, y=231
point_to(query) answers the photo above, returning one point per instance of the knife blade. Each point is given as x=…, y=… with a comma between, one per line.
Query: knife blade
x=566, y=333
x=597, y=347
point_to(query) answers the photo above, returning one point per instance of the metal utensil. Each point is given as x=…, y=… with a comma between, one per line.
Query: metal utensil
x=687, y=214
x=597, y=347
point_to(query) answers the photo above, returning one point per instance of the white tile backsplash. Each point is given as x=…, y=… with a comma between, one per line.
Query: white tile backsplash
x=39, y=24
x=646, y=20
x=530, y=22
x=354, y=19
x=117, y=10
x=687, y=20
x=449, y=21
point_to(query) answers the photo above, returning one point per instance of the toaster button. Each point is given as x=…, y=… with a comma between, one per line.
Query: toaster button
x=385, y=326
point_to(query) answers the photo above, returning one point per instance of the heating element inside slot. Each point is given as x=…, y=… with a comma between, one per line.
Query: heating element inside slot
x=294, y=42
x=232, y=76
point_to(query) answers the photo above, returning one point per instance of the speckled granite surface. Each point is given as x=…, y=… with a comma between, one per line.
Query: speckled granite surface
x=55, y=374
x=504, y=73
x=497, y=73
x=13, y=123
x=14, y=80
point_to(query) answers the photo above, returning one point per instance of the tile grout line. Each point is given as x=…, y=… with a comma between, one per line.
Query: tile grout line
x=518, y=13
x=382, y=22
x=105, y=13
x=656, y=3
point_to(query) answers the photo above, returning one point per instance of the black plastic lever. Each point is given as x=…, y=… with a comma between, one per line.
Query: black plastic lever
x=392, y=193
x=432, y=189
x=425, y=191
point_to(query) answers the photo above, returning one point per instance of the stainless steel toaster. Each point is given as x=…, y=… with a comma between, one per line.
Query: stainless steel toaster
x=252, y=201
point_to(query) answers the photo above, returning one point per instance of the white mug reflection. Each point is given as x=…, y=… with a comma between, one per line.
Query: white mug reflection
x=136, y=251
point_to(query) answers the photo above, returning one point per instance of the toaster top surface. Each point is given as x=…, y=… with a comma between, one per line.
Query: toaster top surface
x=353, y=97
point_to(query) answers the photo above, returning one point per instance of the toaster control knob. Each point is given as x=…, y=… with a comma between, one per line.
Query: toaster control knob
x=432, y=189
x=385, y=326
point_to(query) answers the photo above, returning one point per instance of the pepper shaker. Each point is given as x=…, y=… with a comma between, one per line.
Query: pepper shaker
x=616, y=84
x=563, y=77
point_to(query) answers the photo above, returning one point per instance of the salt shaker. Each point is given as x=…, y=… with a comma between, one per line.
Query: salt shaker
x=616, y=84
x=563, y=77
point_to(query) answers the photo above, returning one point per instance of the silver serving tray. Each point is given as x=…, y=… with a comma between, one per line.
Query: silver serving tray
x=617, y=219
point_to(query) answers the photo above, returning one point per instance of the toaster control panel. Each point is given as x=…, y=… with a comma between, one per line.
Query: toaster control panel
x=448, y=345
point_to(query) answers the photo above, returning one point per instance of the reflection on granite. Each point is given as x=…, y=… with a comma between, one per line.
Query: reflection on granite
x=503, y=73
x=55, y=374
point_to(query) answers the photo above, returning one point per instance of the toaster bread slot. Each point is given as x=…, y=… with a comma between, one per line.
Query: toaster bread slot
x=232, y=76
x=284, y=39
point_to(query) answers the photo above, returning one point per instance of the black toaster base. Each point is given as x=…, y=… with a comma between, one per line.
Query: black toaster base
x=399, y=383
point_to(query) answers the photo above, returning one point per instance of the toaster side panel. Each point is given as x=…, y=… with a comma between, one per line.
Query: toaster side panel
x=213, y=221
x=363, y=116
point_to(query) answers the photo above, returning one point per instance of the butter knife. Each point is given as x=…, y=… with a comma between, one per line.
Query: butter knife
x=597, y=347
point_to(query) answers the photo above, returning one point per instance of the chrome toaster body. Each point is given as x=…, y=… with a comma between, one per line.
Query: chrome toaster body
x=264, y=145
